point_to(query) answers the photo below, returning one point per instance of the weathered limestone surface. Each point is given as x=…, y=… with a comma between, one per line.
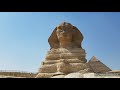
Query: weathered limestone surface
x=87, y=75
x=66, y=54
x=63, y=60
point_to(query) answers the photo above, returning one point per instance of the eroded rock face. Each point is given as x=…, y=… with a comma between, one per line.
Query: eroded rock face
x=66, y=54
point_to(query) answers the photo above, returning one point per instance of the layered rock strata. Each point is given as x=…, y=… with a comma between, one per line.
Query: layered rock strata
x=63, y=61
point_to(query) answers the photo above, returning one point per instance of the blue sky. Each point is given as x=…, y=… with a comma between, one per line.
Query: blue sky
x=24, y=37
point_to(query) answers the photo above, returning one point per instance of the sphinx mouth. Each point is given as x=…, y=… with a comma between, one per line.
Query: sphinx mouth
x=64, y=34
x=65, y=37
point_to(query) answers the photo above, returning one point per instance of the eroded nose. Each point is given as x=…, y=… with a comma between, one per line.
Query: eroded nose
x=64, y=31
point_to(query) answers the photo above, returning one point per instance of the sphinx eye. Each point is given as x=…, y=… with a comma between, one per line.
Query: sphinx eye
x=59, y=27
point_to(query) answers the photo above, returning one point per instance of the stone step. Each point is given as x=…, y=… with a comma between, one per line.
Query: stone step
x=63, y=50
x=65, y=56
x=51, y=68
x=62, y=67
x=67, y=60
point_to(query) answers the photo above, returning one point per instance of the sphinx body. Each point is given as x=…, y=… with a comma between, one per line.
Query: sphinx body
x=66, y=54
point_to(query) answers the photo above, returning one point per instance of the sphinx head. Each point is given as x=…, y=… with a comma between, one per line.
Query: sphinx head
x=65, y=35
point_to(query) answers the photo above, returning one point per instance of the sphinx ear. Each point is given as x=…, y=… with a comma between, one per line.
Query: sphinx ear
x=77, y=37
x=53, y=40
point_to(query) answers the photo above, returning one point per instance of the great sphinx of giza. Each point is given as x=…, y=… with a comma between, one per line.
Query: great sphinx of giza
x=66, y=54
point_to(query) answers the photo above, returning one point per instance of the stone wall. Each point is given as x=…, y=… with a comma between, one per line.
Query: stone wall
x=17, y=74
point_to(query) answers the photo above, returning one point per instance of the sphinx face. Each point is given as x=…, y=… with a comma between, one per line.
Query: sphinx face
x=64, y=33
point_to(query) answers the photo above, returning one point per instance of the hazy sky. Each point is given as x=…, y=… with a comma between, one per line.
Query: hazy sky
x=24, y=37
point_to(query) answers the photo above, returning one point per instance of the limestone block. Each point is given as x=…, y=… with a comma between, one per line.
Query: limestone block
x=63, y=67
x=64, y=56
x=44, y=75
x=64, y=50
x=74, y=75
x=48, y=68
x=67, y=60
x=52, y=56
x=75, y=67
